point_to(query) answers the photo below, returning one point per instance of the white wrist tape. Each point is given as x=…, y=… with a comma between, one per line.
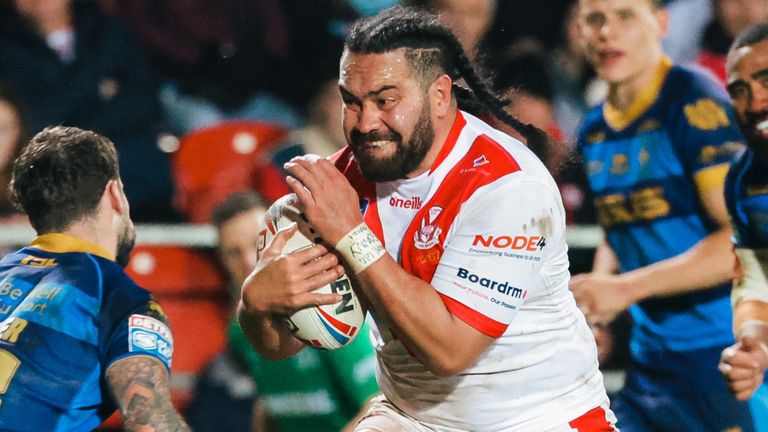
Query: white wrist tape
x=754, y=284
x=360, y=248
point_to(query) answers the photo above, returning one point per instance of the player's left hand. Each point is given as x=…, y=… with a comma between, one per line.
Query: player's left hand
x=743, y=365
x=331, y=204
x=600, y=296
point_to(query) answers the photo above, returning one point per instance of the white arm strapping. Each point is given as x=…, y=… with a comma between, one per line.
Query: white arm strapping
x=754, y=283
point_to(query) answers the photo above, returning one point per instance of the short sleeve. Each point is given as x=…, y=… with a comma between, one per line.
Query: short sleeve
x=494, y=254
x=144, y=331
x=705, y=128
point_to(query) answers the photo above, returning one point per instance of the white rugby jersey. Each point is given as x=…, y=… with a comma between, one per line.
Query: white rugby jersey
x=486, y=227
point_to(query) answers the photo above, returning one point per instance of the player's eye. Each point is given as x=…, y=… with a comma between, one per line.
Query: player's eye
x=595, y=20
x=763, y=80
x=350, y=104
x=385, y=103
x=738, y=92
x=625, y=14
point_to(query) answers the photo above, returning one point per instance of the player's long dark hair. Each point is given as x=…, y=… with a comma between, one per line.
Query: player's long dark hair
x=434, y=50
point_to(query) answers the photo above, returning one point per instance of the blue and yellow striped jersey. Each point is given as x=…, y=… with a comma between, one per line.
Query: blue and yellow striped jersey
x=746, y=195
x=647, y=167
x=67, y=312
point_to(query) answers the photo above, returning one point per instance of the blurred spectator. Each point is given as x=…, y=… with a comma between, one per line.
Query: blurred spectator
x=488, y=28
x=576, y=88
x=731, y=18
x=225, y=398
x=524, y=80
x=72, y=65
x=316, y=390
x=323, y=134
x=232, y=59
x=687, y=19
x=12, y=136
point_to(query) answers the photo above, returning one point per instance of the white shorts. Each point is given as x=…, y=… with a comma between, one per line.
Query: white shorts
x=382, y=416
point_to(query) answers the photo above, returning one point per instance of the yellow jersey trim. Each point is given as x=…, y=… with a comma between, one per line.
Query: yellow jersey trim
x=712, y=177
x=618, y=119
x=63, y=243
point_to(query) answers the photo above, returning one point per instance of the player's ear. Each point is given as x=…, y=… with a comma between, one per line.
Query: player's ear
x=114, y=193
x=441, y=96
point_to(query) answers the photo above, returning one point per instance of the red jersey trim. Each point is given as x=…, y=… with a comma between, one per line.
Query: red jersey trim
x=475, y=319
x=592, y=421
x=450, y=141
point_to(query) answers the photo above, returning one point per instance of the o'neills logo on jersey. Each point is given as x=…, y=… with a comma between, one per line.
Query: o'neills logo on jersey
x=501, y=287
x=410, y=203
x=428, y=235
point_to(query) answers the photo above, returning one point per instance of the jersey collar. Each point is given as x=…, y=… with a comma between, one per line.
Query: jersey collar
x=63, y=243
x=618, y=119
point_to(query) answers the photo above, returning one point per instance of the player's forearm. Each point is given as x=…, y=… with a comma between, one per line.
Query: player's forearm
x=441, y=341
x=708, y=263
x=139, y=385
x=268, y=334
x=605, y=261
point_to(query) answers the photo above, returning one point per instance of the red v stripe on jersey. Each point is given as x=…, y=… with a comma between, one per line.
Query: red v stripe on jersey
x=457, y=187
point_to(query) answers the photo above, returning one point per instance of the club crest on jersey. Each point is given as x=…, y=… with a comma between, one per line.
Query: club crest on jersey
x=482, y=160
x=428, y=235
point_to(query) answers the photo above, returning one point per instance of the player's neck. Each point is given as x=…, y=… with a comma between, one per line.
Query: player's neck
x=91, y=230
x=622, y=94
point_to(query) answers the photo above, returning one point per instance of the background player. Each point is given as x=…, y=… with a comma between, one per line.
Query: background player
x=744, y=364
x=78, y=337
x=473, y=315
x=321, y=391
x=656, y=153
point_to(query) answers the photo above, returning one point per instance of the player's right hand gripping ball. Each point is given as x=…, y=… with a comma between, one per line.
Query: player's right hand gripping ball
x=327, y=326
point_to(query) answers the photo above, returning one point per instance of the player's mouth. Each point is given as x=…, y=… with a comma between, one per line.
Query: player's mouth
x=378, y=144
x=609, y=57
x=375, y=142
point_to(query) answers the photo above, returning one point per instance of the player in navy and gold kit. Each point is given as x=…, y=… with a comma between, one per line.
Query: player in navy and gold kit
x=657, y=152
x=746, y=193
x=78, y=338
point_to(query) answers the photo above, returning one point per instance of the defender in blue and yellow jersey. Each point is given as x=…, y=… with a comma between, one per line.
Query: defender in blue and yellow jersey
x=744, y=364
x=657, y=152
x=68, y=312
x=78, y=338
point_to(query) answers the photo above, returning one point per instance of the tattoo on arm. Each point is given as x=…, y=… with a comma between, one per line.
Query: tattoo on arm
x=139, y=384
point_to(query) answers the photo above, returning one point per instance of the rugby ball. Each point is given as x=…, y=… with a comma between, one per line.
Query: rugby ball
x=328, y=326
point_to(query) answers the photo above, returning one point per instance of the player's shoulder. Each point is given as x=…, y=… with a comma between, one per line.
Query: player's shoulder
x=116, y=284
x=687, y=84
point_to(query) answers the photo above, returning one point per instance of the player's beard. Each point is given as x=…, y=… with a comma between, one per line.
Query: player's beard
x=406, y=158
x=125, y=242
x=756, y=139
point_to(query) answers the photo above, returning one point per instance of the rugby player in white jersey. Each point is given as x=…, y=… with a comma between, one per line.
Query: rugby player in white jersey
x=459, y=254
